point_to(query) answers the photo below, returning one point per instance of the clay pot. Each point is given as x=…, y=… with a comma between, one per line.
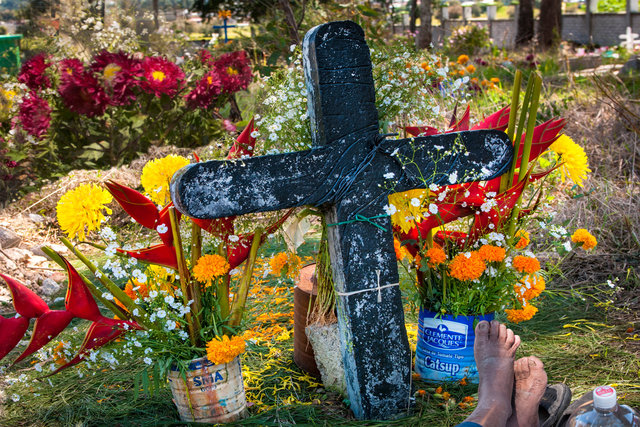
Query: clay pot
x=304, y=295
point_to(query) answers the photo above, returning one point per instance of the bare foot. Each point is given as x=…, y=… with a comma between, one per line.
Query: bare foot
x=531, y=381
x=494, y=350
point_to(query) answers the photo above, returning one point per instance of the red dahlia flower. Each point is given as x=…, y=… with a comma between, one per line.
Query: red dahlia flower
x=205, y=57
x=205, y=92
x=34, y=115
x=120, y=72
x=33, y=74
x=161, y=76
x=234, y=71
x=82, y=93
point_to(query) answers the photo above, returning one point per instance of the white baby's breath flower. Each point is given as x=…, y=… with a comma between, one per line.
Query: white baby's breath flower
x=433, y=208
x=147, y=360
x=162, y=228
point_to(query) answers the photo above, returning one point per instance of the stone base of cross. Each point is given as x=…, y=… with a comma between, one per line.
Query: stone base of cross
x=349, y=174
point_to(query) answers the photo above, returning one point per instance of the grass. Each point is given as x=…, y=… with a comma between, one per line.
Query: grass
x=570, y=334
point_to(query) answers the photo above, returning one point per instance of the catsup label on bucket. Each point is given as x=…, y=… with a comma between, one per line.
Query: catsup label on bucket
x=445, y=334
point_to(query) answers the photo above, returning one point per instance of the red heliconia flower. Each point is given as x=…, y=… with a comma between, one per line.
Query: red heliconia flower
x=121, y=74
x=244, y=144
x=206, y=91
x=498, y=120
x=100, y=333
x=11, y=332
x=34, y=115
x=33, y=74
x=70, y=66
x=161, y=76
x=160, y=254
x=83, y=94
x=234, y=71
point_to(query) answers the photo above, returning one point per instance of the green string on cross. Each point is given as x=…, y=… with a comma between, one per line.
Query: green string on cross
x=362, y=218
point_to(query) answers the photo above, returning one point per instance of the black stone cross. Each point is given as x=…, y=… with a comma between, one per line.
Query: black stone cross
x=349, y=173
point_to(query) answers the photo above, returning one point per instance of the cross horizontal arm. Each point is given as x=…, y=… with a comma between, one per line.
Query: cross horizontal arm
x=328, y=174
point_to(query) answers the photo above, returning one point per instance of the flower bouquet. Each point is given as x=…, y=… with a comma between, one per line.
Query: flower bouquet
x=469, y=242
x=169, y=296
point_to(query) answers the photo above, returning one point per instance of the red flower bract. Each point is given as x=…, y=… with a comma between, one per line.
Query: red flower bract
x=234, y=71
x=32, y=73
x=160, y=76
x=120, y=72
x=34, y=115
x=82, y=94
x=205, y=92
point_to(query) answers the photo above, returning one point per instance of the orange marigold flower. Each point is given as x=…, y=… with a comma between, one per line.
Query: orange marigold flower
x=401, y=252
x=532, y=286
x=59, y=357
x=463, y=59
x=446, y=395
x=435, y=256
x=490, y=253
x=583, y=236
x=277, y=262
x=467, y=399
x=526, y=264
x=463, y=381
x=224, y=350
x=421, y=392
x=425, y=66
x=495, y=80
x=525, y=313
x=439, y=390
x=471, y=68
x=209, y=267
x=523, y=237
x=467, y=266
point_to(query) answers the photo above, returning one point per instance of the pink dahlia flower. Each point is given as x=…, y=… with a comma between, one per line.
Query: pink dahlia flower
x=234, y=71
x=34, y=115
x=33, y=74
x=121, y=74
x=206, y=91
x=161, y=76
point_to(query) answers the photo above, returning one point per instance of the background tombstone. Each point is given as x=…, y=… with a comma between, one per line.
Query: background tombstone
x=349, y=173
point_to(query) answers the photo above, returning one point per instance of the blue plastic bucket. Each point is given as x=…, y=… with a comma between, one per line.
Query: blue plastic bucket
x=444, y=351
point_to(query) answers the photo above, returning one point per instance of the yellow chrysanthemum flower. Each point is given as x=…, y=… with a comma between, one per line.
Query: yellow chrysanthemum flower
x=467, y=266
x=576, y=162
x=408, y=208
x=224, y=350
x=82, y=207
x=525, y=313
x=587, y=239
x=209, y=267
x=157, y=174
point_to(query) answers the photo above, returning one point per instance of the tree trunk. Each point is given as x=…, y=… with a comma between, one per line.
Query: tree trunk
x=423, y=39
x=413, y=15
x=550, y=28
x=155, y=14
x=291, y=21
x=524, y=34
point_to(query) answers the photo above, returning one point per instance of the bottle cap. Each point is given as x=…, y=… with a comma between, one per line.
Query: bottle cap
x=604, y=397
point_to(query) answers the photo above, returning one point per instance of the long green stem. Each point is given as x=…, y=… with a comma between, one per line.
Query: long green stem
x=518, y=135
x=117, y=293
x=192, y=317
x=531, y=124
x=240, y=298
x=513, y=113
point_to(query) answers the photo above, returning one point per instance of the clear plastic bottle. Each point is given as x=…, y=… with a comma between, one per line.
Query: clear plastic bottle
x=604, y=411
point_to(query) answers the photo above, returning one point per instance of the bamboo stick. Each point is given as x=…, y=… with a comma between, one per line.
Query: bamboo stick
x=240, y=298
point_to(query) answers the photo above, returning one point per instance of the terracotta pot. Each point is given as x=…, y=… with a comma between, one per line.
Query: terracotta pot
x=210, y=393
x=304, y=295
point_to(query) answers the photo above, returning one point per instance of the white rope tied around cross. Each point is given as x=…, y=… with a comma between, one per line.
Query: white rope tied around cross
x=378, y=288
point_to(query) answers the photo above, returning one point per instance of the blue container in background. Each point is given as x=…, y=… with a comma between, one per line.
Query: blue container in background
x=444, y=351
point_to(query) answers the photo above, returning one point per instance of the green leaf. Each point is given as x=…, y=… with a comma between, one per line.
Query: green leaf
x=146, y=387
x=136, y=385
